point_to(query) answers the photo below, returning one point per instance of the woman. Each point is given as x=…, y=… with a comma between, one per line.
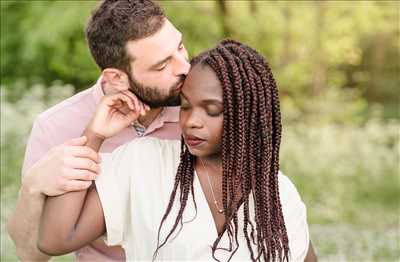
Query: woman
x=228, y=199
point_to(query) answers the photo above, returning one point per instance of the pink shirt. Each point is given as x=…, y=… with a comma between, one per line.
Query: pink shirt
x=68, y=120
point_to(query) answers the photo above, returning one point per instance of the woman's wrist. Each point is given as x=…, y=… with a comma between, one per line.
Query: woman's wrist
x=94, y=140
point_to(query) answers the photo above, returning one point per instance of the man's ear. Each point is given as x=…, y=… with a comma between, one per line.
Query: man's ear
x=115, y=80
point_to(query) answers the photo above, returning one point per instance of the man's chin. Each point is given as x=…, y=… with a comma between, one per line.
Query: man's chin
x=175, y=101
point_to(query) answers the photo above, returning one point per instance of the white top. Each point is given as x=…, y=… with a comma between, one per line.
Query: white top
x=134, y=189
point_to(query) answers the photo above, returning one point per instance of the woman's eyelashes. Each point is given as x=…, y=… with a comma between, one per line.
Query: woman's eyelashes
x=212, y=111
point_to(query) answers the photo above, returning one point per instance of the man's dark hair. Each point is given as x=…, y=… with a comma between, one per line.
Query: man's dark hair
x=115, y=22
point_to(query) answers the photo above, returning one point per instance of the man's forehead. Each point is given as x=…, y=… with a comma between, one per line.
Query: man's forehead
x=156, y=47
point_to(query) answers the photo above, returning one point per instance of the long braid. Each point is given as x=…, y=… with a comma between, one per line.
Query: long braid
x=262, y=202
x=268, y=80
x=227, y=140
x=250, y=154
x=184, y=180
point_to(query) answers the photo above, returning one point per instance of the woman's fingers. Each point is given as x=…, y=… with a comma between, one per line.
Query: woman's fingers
x=126, y=101
x=139, y=105
x=134, y=98
x=119, y=100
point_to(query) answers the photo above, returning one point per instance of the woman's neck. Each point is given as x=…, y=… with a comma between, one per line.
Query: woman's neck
x=213, y=164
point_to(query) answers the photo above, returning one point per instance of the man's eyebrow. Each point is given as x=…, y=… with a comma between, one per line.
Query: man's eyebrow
x=159, y=63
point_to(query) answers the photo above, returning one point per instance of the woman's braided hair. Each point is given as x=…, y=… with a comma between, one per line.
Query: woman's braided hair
x=250, y=154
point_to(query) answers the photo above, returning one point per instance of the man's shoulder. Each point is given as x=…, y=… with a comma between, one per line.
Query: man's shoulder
x=82, y=103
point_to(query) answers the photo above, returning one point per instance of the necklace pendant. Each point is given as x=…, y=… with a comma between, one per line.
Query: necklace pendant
x=220, y=211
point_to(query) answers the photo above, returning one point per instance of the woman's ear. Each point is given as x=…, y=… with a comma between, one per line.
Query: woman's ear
x=115, y=80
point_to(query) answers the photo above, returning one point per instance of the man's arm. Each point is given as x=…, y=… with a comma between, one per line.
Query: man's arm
x=61, y=170
x=20, y=226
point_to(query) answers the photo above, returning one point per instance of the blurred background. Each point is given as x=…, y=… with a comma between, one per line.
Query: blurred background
x=337, y=68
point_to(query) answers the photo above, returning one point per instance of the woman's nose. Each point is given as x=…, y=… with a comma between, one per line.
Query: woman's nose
x=194, y=121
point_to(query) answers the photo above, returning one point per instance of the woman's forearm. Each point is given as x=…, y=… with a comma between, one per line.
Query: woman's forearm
x=74, y=219
x=59, y=220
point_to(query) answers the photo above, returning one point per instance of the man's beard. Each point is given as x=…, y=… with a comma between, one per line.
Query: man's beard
x=152, y=95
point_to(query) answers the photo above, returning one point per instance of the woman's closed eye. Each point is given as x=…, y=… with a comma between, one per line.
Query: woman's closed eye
x=213, y=110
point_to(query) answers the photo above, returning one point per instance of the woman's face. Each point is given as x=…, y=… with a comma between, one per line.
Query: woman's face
x=201, y=115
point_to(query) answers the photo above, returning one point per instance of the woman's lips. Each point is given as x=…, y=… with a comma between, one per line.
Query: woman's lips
x=193, y=141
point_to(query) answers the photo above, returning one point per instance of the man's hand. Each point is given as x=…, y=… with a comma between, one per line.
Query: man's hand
x=116, y=112
x=71, y=166
x=68, y=167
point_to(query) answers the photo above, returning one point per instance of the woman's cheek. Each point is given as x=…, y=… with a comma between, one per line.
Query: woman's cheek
x=217, y=129
x=182, y=119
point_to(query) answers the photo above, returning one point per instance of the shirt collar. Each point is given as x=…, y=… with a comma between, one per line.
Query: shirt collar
x=97, y=90
x=168, y=114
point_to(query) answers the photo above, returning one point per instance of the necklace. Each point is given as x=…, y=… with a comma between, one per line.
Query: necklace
x=220, y=210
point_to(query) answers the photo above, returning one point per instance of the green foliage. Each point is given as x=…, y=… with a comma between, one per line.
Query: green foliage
x=314, y=46
x=311, y=46
x=44, y=41
x=200, y=33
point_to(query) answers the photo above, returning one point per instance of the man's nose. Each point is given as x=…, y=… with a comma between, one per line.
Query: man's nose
x=183, y=65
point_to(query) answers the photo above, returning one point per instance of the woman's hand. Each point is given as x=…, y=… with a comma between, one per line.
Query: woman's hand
x=116, y=112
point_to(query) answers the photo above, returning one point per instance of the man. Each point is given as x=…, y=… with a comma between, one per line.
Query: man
x=138, y=51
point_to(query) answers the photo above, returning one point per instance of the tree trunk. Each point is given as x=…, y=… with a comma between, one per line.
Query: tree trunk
x=319, y=74
x=224, y=18
x=287, y=36
x=253, y=7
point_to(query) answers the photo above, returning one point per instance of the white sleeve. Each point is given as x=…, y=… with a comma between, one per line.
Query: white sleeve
x=113, y=187
x=295, y=216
